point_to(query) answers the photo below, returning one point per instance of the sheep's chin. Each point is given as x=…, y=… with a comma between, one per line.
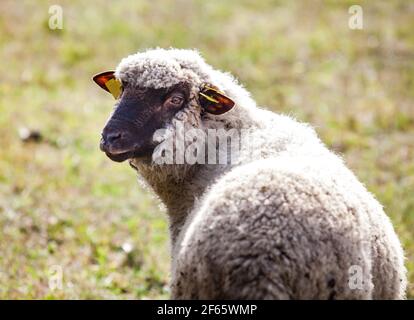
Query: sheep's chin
x=137, y=162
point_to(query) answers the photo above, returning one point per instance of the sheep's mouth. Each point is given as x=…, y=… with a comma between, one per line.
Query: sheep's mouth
x=120, y=157
x=132, y=154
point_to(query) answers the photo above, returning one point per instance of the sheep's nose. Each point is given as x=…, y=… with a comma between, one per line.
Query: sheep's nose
x=112, y=137
x=109, y=138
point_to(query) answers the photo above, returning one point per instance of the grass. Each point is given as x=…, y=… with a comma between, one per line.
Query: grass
x=63, y=203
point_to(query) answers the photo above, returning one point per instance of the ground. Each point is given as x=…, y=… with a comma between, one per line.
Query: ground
x=68, y=213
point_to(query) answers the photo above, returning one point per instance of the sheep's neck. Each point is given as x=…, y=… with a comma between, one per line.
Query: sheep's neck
x=179, y=189
x=179, y=201
x=176, y=187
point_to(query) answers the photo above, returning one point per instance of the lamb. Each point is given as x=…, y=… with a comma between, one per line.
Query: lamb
x=285, y=219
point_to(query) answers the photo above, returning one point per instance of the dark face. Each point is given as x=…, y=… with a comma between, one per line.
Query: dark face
x=138, y=114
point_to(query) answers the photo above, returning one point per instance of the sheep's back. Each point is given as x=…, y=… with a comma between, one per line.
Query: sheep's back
x=286, y=227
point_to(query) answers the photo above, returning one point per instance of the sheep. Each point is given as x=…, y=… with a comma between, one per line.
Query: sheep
x=285, y=220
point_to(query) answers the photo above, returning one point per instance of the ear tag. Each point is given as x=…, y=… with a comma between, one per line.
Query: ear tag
x=107, y=81
x=214, y=101
x=209, y=98
x=114, y=87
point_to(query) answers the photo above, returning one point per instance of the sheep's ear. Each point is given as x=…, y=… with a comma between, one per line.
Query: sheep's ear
x=214, y=101
x=107, y=81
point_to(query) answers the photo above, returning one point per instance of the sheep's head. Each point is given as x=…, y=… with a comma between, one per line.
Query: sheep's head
x=155, y=89
x=138, y=114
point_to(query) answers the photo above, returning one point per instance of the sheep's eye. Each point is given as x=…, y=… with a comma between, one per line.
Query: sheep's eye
x=176, y=100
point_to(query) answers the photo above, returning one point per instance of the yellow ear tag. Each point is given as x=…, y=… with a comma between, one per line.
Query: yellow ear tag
x=209, y=98
x=114, y=87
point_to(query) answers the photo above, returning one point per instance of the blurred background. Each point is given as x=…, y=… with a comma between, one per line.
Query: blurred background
x=73, y=224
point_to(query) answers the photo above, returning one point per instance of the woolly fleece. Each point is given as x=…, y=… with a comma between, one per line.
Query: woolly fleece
x=287, y=221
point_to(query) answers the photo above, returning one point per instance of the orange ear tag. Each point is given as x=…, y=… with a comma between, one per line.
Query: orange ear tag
x=107, y=81
x=214, y=101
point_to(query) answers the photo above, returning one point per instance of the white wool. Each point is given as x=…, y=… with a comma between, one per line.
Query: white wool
x=288, y=221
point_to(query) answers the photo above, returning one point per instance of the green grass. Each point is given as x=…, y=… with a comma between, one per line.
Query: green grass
x=62, y=202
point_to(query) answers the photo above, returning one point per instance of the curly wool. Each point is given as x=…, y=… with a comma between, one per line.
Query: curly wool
x=288, y=221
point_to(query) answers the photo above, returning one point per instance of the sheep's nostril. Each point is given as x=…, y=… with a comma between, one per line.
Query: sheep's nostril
x=112, y=137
